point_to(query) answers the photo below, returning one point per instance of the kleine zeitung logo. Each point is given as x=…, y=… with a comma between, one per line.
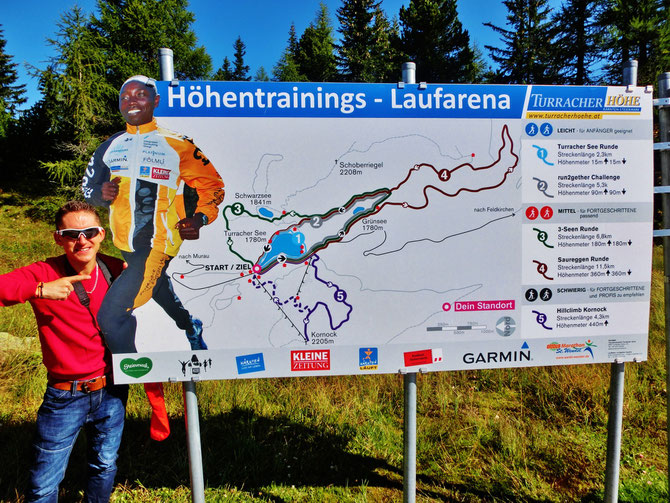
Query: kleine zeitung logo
x=160, y=173
x=306, y=360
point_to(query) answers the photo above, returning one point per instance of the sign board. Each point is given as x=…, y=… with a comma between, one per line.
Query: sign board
x=373, y=228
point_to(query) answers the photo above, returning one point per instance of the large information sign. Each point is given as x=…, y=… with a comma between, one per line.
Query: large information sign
x=372, y=228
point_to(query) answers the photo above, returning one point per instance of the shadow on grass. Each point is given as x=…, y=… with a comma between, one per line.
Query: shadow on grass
x=240, y=449
x=244, y=450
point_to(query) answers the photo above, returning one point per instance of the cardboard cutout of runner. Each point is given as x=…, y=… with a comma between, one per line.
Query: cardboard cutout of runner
x=141, y=175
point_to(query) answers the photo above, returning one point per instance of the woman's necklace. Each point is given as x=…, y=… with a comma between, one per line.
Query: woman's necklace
x=96, y=280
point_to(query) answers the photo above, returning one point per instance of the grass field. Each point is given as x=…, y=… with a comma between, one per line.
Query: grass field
x=525, y=435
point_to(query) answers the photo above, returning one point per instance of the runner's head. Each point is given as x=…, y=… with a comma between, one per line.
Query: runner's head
x=138, y=99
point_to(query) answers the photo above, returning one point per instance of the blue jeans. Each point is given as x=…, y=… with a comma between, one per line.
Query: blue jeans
x=60, y=418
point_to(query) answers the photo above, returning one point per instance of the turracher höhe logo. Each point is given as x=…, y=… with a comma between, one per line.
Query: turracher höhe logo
x=136, y=368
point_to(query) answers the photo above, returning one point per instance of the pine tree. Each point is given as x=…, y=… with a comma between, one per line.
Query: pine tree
x=76, y=96
x=225, y=72
x=134, y=31
x=261, y=75
x=636, y=30
x=433, y=37
x=388, y=58
x=576, y=47
x=240, y=70
x=314, y=53
x=94, y=56
x=12, y=155
x=366, y=52
x=527, y=56
x=74, y=84
x=481, y=66
x=22, y=157
x=11, y=93
x=286, y=69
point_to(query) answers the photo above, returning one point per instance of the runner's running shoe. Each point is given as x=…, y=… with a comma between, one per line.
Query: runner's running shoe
x=194, y=335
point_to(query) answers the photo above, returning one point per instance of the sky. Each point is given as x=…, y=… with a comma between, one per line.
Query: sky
x=263, y=26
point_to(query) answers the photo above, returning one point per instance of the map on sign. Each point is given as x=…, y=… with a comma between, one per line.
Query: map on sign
x=312, y=246
x=361, y=240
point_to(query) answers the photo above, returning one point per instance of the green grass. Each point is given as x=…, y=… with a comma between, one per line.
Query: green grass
x=524, y=435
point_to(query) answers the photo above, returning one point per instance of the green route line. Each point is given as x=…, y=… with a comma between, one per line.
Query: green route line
x=230, y=247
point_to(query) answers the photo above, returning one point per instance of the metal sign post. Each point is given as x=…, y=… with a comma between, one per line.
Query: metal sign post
x=615, y=418
x=191, y=415
x=193, y=444
x=409, y=447
x=663, y=104
x=409, y=381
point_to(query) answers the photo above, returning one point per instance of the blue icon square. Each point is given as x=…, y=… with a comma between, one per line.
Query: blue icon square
x=368, y=357
x=250, y=363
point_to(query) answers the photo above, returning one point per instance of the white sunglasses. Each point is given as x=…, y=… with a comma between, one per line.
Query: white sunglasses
x=88, y=233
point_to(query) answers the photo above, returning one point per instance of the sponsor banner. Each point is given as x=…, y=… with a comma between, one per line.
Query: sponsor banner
x=468, y=355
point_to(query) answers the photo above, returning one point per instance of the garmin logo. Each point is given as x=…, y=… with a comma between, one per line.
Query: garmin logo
x=497, y=357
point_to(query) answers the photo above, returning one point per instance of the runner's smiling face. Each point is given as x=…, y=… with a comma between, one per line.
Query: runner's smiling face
x=137, y=103
x=80, y=252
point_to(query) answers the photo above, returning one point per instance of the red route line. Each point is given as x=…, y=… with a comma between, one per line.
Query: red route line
x=504, y=135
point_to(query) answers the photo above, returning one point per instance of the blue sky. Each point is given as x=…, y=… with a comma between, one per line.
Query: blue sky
x=262, y=24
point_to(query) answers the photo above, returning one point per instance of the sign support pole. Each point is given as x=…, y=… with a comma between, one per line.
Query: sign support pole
x=191, y=415
x=664, y=156
x=409, y=448
x=193, y=444
x=615, y=414
x=409, y=380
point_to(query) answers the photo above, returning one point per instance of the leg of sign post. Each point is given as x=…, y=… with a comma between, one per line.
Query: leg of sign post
x=409, y=448
x=409, y=419
x=193, y=443
x=614, y=433
x=615, y=418
x=664, y=155
x=192, y=417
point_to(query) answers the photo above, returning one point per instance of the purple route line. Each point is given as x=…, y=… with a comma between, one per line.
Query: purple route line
x=329, y=284
x=271, y=288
